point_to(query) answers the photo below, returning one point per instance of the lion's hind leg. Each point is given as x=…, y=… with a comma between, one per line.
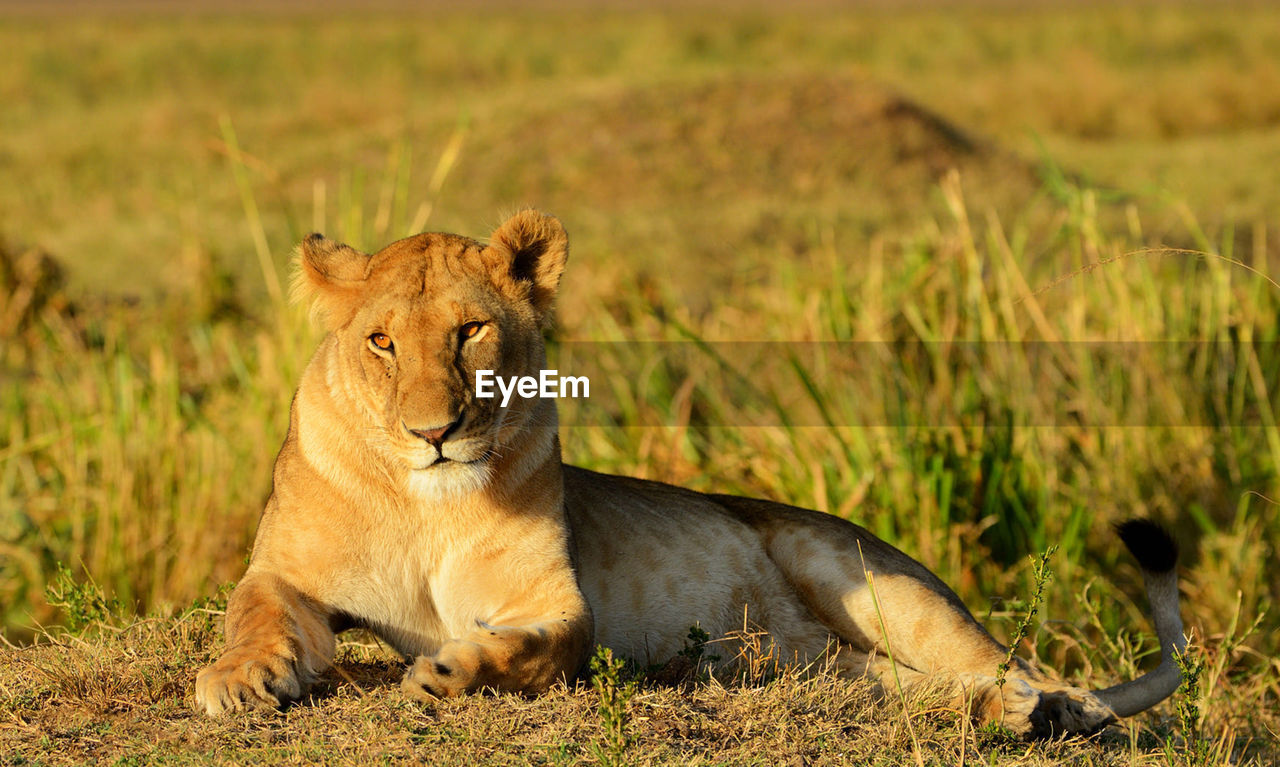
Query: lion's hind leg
x=884, y=606
x=927, y=638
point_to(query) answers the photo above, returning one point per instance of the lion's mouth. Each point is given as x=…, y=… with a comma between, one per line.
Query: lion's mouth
x=442, y=460
x=437, y=463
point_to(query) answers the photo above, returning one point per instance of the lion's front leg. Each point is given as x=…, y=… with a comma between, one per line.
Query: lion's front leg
x=277, y=643
x=525, y=659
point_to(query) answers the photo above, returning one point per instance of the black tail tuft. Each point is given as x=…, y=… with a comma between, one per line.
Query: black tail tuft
x=1150, y=544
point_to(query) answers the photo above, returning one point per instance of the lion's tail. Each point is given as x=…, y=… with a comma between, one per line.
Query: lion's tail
x=1157, y=554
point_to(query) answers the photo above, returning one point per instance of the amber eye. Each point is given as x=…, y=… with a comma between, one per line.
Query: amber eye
x=469, y=330
x=381, y=341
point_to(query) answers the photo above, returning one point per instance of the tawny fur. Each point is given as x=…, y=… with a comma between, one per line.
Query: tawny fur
x=449, y=526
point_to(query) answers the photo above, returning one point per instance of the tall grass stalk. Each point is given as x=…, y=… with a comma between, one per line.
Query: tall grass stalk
x=893, y=665
x=270, y=274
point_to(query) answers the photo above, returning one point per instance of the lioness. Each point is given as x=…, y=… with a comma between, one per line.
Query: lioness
x=448, y=525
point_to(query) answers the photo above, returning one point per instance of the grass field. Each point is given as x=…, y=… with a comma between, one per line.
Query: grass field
x=1058, y=225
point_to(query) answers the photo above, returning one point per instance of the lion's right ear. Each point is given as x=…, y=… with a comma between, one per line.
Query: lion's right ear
x=532, y=248
x=331, y=277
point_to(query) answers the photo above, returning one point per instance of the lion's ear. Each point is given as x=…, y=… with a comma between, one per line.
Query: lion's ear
x=534, y=247
x=331, y=276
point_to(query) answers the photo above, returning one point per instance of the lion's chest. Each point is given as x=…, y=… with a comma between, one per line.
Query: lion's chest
x=398, y=589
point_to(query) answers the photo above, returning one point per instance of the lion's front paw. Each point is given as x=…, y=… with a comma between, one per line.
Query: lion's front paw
x=238, y=682
x=451, y=671
x=1029, y=713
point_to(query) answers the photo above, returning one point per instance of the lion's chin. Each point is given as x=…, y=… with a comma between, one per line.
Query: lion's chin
x=449, y=478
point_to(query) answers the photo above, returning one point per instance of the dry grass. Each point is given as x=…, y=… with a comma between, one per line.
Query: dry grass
x=122, y=695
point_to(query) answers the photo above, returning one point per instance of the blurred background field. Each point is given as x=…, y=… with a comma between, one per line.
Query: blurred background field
x=899, y=174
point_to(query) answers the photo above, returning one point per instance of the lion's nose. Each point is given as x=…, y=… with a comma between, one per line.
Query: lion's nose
x=436, y=436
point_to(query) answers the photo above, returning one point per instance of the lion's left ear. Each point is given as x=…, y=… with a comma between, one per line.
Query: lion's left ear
x=535, y=247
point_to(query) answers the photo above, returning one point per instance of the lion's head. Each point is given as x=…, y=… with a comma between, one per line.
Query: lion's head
x=411, y=324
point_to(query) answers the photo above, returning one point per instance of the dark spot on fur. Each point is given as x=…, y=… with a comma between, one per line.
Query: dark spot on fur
x=443, y=670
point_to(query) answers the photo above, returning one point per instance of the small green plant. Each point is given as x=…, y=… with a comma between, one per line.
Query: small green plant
x=564, y=753
x=1041, y=573
x=695, y=649
x=84, y=604
x=607, y=680
x=696, y=645
x=1195, y=749
x=996, y=739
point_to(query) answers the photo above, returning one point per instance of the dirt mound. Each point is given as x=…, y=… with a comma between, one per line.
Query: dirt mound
x=691, y=184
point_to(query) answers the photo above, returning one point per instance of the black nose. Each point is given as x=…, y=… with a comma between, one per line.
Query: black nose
x=437, y=435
